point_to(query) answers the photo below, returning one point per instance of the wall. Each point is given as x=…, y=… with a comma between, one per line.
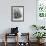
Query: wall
x=29, y=15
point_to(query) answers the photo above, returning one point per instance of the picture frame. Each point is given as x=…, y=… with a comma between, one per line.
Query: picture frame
x=17, y=13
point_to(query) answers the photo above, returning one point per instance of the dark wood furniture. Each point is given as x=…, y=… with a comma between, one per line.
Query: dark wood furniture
x=8, y=34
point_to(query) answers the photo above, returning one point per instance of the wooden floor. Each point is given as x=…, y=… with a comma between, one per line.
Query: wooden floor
x=13, y=44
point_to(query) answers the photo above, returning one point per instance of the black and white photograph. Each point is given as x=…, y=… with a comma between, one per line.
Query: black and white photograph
x=17, y=13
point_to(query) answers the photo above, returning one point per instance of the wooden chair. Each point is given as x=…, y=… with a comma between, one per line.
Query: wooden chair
x=8, y=34
x=25, y=36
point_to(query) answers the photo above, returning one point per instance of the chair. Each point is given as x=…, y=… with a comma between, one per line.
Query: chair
x=7, y=35
x=14, y=32
x=25, y=37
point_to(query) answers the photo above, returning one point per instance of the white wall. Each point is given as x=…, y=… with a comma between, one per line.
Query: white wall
x=29, y=15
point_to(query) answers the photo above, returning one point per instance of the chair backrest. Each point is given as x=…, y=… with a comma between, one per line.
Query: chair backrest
x=24, y=37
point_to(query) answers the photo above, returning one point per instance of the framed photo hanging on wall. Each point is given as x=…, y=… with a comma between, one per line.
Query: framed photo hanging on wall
x=17, y=13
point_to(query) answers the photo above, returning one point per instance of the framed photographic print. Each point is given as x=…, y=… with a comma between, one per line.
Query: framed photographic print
x=17, y=13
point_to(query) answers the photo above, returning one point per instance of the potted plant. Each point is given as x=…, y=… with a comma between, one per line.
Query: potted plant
x=39, y=35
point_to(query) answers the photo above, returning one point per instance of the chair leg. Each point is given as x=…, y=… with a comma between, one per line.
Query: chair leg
x=5, y=40
x=5, y=43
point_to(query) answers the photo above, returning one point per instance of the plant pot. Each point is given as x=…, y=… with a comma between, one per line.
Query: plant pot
x=40, y=41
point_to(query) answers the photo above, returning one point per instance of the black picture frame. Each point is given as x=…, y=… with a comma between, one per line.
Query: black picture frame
x=17, y=13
